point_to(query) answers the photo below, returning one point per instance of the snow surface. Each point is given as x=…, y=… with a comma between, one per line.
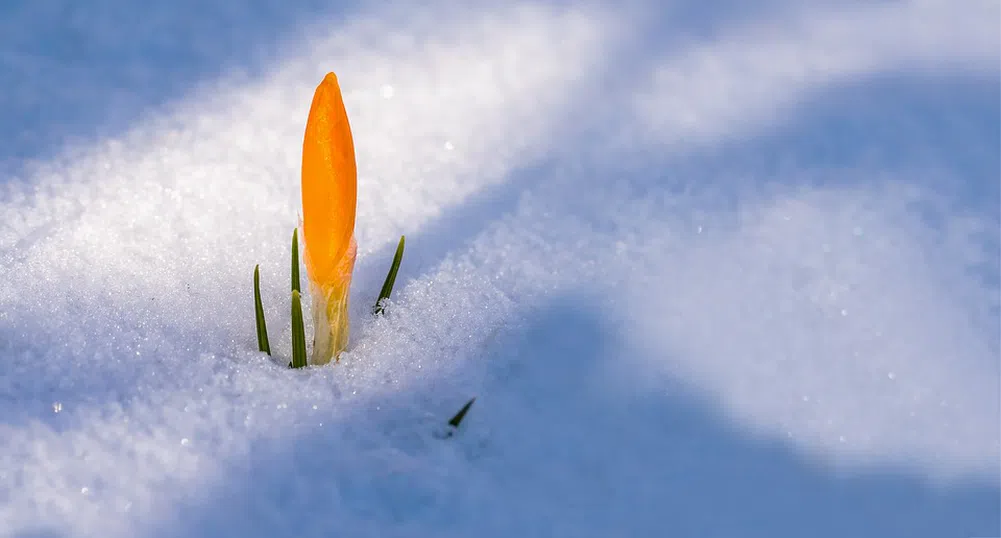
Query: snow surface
x=711, y=269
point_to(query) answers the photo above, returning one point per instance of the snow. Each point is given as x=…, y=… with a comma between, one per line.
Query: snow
x=710, y=270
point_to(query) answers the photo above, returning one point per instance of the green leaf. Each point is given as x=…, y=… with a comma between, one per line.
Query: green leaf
x=295, y=261
x=262, y=329
x=457, y=419
x=298, y=333
x=387, y=286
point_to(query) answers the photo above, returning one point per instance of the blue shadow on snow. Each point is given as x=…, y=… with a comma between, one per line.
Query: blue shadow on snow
x=557, y=445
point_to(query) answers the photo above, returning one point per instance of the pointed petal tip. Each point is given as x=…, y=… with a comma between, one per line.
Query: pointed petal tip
x=330, y=83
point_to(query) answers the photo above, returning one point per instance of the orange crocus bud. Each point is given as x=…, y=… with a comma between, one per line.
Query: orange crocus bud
x=329, y=195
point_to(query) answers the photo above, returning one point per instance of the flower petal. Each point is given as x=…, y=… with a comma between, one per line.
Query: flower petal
x=329, y=185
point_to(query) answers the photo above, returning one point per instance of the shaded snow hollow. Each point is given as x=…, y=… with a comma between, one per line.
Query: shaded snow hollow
x=710, y=270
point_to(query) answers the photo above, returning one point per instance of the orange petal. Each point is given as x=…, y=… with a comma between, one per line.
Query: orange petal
x=329, y=186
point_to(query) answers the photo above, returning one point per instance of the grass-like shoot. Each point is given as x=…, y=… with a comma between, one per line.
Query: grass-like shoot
x=457, y=419
x=387, y=286
x=298, y=333
x=453, y=424
x=295, y=261
x=262, y=328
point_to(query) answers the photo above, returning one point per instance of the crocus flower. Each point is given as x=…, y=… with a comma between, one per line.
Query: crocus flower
x=329, y=194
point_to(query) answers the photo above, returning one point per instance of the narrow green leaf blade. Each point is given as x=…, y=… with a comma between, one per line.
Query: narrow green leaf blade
x=295, y=261
x=457, y=419
x=298, y=333
x=262, y=329
x=387, y=286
